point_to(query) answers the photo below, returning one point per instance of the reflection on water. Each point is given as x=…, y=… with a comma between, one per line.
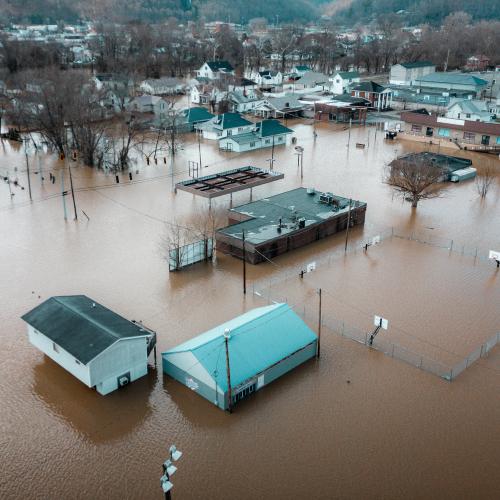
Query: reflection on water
x=98, y=418
x=309, y=433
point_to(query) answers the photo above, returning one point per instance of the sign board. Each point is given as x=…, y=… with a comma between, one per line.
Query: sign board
x=494, y=255
x=311, y=267
x=376, y=240
x=191, y=384
x=379, y=321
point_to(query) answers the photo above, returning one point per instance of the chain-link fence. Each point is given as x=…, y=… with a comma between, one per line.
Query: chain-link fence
x=280, y=288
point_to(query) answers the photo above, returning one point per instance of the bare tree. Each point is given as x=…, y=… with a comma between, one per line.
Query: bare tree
x=415, y=179
x=484, y=181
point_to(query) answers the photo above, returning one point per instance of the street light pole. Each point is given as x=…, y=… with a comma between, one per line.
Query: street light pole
x=168, y=470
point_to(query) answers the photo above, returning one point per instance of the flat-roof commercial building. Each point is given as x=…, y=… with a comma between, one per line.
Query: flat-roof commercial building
x=96, y=345
x=448, y=164
x=262, y=345
x=278, y=224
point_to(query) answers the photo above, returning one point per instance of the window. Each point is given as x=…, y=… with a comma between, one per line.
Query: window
x=229, y=132
x=498, y=140
x=469, y=137
x=252, y=144
x=444, y=132
x=54, y=346
x=268, y=141
x=485, y=140
x=240, y=129
x=416, y=129
x=77, y=362
x=467, y=115
x=280, y=138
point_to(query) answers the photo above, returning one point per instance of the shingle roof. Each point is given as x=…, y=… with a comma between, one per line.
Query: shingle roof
x=230, y=120
x=219, y=65
x=197, y=114
x=348, y=75
x=288, y=101
x=81, y=326
x=312, y=77
x=258, y=339
x=369, y=87
x=265, y=128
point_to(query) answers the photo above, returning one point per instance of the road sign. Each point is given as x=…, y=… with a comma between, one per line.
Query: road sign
x=311, y=267
x=376, y=240
x=382, y=322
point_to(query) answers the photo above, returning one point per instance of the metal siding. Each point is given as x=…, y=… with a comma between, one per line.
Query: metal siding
x=289, y=363
x=62, y=358
x=118, y=359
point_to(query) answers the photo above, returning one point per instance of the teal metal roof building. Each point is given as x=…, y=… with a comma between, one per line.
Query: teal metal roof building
x=262, y=345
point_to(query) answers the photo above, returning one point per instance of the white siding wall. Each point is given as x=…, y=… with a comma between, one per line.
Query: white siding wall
x=61, y=357
x=123, y=356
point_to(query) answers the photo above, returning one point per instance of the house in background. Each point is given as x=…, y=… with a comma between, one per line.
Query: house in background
x=312, y=80
x=300, y=69
x=227, y=124
x=96, y=345
x=477, y=63
x=380, y=97
x=204, y=94
x=214, y=69
x=233, y=360
x=469, y=109
x=149, y=104
x=163, y=86
x=267, y=134
x=405, y=73
x=268, y=78
x=280, y=107
x=244, y=102
x=343, y=80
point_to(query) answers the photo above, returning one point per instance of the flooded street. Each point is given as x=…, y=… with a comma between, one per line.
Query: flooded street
x=392, y=432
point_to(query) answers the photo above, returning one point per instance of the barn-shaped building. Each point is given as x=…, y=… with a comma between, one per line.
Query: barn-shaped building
x=262, y=345
x=96, y=345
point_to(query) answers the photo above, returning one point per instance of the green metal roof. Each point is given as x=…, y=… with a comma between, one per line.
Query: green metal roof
x=289, y=207
x=81, y=326
x=258, y=339
x=231, y=120
x=417, y=64
x=218, y=65
x=452, y=79
x=198, y=114
x=266, y=128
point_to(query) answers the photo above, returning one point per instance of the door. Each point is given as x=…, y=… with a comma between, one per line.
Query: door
x=429, y=132
x=485, y=140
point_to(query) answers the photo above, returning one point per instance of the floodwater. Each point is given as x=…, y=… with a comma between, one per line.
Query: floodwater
x=391, y=432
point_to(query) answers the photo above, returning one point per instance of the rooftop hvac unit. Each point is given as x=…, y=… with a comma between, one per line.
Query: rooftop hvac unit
x=302, y=223
x=326, y=198
x=311, y=191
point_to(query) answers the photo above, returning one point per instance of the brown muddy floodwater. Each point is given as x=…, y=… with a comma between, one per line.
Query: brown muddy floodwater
x=392, y=432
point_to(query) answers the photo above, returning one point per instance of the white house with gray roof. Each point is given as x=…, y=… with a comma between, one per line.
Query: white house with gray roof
x=405, y=73
x=343, y=80
x=97, y=346
x=227, y=124
x=212, y=70
x=469, y=109
x=279, y=107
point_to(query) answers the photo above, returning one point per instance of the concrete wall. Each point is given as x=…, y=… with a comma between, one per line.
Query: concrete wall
x=59, y=355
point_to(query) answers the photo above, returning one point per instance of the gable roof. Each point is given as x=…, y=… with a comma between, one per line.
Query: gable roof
x=267, y=128
x=81, y=326
x=312, y=77
x=230, y=120
x=369, y=87
x=219, y=65
x=197, y=114
x=417, y=64
x=302, y=67
x=286, y=102
x=258, y=339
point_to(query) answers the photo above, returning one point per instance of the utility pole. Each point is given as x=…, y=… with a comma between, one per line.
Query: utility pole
x=227, y=336
x=199, y=148
x=348, y=225
x=244, y=264
x=28, y=170
x=319, y=325
x=349, y=138
x=64, y=193
x=72, y=190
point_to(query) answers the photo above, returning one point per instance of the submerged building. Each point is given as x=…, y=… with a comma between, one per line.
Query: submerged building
x=278, y=224
x=257, y=347
x=96, y=345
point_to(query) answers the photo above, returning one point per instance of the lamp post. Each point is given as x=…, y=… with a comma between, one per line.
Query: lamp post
x=168, y=470
x=300, y=159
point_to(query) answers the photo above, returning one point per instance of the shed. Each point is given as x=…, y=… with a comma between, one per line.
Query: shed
x=262, y=345
x=99, y=347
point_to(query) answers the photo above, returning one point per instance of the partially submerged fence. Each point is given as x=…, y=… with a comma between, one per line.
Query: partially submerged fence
x=446, y=370
x=191, y=253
